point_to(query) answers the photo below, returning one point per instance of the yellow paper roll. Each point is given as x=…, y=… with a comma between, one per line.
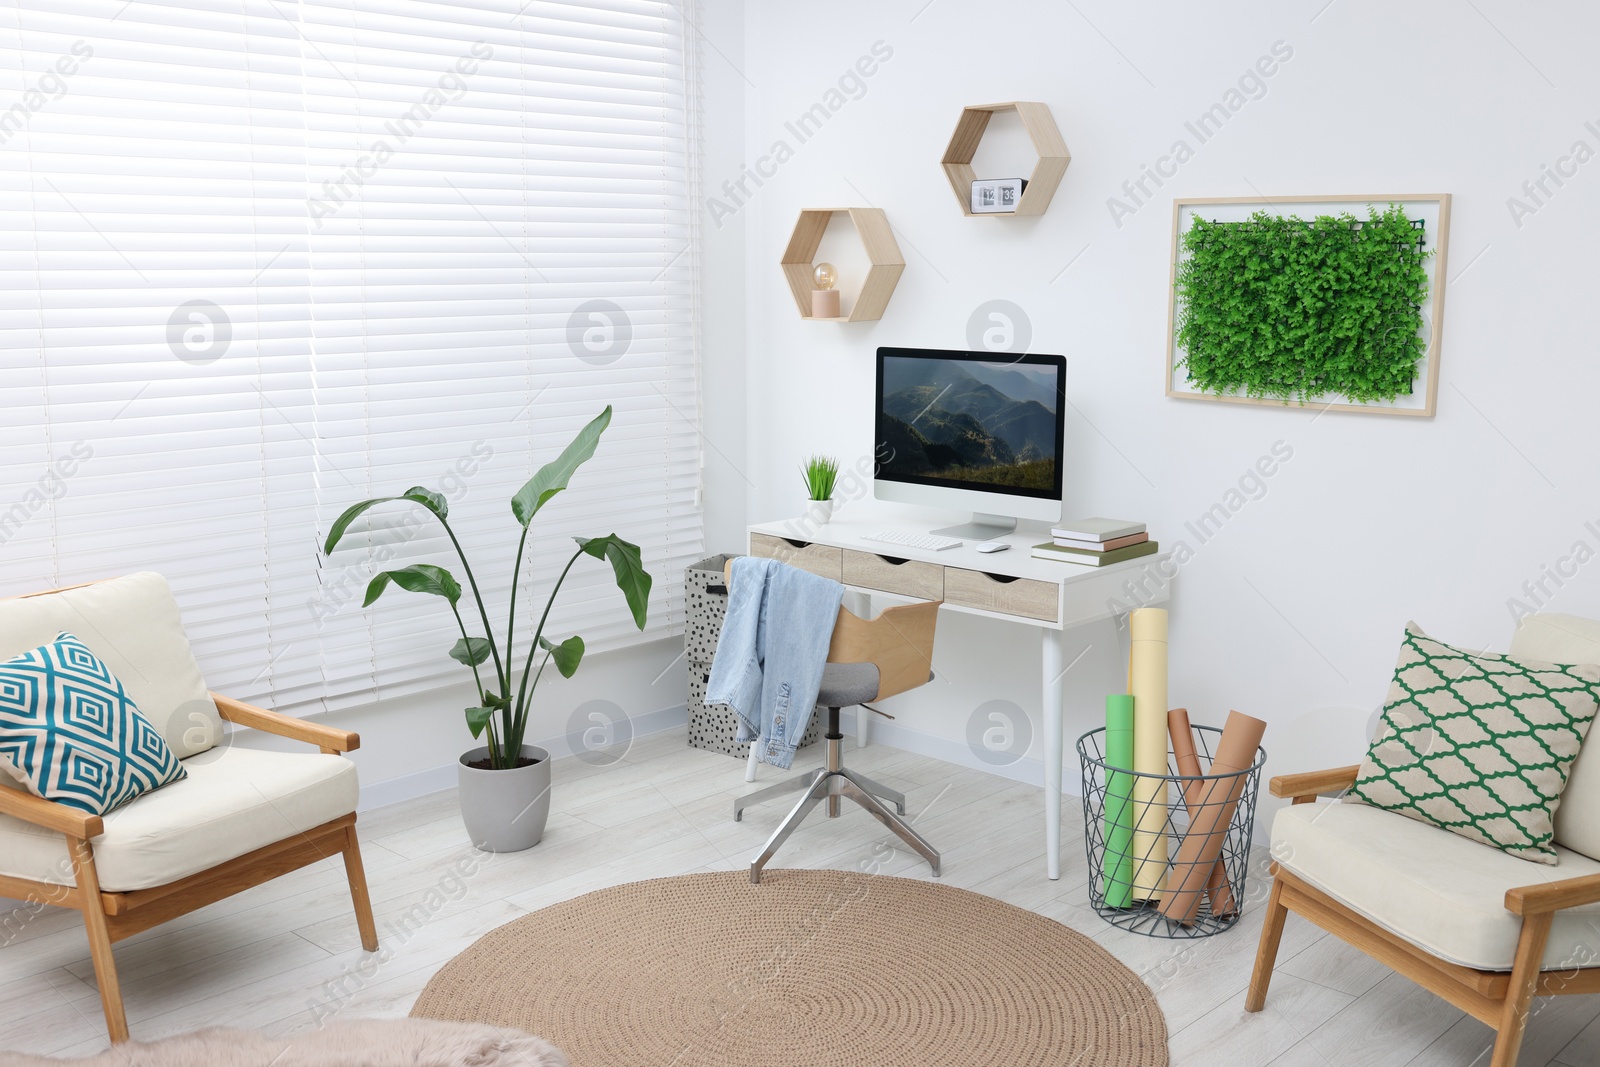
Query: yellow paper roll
x=1147, y=684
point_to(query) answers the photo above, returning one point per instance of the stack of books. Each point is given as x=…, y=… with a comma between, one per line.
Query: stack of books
x=1097, y=542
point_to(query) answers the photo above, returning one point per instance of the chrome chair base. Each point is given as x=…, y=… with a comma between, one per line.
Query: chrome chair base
x=831, y=783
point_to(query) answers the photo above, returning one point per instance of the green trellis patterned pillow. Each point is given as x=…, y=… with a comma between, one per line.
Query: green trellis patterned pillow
x=1479, y=743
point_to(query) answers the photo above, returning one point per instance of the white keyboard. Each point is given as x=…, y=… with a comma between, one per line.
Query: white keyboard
x=907, y=539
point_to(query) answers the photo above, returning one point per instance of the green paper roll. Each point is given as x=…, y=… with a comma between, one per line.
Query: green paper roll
x=1117, y=864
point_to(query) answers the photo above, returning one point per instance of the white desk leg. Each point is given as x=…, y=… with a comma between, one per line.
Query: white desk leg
x=863, y=732
x=751, y=764
x=1053, y=657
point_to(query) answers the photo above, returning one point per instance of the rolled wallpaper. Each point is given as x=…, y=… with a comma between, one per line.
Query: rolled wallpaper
x=1210, y=817
x=1147, y=684
x=1117, y=864
x=1187, y=759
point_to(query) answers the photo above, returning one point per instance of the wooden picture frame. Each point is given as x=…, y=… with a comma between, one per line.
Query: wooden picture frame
x=1433, y=208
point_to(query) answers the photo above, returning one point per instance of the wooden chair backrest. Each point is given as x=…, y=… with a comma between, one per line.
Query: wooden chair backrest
x=899, y=642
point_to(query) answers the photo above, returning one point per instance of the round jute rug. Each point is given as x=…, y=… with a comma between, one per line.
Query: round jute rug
x=807, y=969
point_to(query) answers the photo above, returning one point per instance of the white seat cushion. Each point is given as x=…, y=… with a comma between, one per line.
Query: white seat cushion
x=1434, y=888
x=234, y=801
x=1569, y=639
x=132, y=624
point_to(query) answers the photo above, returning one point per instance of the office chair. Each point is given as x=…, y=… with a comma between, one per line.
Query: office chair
x=868, y=660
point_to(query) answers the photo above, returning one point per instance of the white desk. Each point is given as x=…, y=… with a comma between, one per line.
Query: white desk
x=1009, y=587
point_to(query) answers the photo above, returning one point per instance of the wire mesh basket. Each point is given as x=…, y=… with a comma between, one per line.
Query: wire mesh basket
x=1185, y=798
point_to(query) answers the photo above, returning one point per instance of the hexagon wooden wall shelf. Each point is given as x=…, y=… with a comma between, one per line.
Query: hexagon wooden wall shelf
x=1047, y=141
x=872, y=226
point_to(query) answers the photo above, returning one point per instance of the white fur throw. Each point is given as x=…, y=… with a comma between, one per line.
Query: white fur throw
x=352, y=1043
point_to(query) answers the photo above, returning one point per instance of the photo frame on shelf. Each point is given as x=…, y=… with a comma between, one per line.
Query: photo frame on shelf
x=1304, y=351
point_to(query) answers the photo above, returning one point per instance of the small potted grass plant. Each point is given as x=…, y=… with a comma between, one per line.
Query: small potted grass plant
x=820, y=474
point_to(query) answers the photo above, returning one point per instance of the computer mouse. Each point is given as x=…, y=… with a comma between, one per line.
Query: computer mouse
x=993, y=546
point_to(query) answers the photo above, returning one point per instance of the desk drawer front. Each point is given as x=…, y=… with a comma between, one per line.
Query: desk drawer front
x=1019, y=596
x=907, y=577
x=818, y=559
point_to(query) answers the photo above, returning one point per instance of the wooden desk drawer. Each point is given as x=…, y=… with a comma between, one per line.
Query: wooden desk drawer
x=1002, y=593
x=818, y=559
x=892, y=574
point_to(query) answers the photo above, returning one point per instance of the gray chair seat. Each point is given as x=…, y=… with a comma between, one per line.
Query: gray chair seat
x=844, y=685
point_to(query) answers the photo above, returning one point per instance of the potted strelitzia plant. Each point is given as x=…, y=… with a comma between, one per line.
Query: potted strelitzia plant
x=505, y=782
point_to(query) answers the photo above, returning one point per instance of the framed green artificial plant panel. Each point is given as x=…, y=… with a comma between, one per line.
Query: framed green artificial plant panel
x=1332, y=302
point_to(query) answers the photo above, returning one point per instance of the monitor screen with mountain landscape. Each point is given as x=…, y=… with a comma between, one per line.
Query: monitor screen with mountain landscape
x=971, y=420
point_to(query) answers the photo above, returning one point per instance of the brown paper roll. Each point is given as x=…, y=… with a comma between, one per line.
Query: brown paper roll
x=1188, y=761
x=1209, y=818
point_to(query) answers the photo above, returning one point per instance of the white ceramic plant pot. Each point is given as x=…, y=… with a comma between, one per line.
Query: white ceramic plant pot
x=505, y=811
x=819, y=511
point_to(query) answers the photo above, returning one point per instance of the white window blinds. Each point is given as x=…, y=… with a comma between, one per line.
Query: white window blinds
x=263, y=259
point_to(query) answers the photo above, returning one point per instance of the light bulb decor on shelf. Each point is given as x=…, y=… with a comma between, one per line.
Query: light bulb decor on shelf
x=869, y=291
x=825, y=297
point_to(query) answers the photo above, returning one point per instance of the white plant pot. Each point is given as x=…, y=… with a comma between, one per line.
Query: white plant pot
x=819, y=511
x=505, y=811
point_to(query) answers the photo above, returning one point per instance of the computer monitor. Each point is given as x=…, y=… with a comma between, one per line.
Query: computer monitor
x=979, y=431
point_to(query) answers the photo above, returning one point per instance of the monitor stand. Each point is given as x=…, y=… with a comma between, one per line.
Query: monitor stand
x=982, y=528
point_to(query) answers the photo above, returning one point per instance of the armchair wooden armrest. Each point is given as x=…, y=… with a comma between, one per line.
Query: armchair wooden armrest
x=1305, y=788
x=50, y=815
x=1547, y=897
x=324, y=737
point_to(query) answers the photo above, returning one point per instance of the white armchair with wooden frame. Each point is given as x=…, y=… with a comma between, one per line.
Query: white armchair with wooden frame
x=1486, y=931
x=242, y=816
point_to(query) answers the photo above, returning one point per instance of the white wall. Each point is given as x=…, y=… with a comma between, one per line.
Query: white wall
x=1294, y=611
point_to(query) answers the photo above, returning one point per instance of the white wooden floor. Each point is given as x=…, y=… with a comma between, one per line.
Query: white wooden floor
x=285, y=955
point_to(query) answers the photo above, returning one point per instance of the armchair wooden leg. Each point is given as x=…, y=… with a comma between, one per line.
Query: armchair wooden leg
x=1267, y=950
x=94, y=923
x=1519, y=997
x=357, y=874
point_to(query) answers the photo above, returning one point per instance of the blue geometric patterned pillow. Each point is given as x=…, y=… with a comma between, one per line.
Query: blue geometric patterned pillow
x=72, y=735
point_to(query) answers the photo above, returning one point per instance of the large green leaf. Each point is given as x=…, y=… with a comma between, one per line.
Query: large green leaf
x=416, y=494
x=478, y=718
x=417, y=578
x=434, y=502
x=553, y=476
x=471, y=650
x=568, y=654
x=632, y=578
